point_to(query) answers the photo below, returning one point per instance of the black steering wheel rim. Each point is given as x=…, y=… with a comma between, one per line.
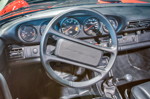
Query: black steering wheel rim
x=50, y=31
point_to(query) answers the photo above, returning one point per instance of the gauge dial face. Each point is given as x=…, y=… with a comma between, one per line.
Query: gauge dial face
x=91, y=26
x=113, y=23
x=43, y=27
x=70, y=27
x=27, y=33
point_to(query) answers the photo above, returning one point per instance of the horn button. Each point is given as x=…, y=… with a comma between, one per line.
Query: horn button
x=78, y=52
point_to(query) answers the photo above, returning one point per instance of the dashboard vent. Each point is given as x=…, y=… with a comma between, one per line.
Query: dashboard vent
x=133, y=24
x=16, y=53
x=138, y=24
x=144, y=23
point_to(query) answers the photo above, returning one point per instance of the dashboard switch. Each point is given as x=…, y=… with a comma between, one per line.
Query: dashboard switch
x=35, y=50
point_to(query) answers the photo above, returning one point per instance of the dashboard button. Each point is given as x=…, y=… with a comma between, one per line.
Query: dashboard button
x=35, y=50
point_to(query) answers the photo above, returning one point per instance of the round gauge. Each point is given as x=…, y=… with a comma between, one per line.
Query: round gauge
x=91, y=26
x=113, y=23
x=43, y=27
x=70, y=27
x=27, y=33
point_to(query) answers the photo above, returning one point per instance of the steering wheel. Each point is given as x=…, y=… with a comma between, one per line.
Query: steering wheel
x=68, y=49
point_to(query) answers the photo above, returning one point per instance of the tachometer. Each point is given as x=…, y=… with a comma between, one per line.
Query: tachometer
x=70, y=27
x=27, y=33
x=91, y=26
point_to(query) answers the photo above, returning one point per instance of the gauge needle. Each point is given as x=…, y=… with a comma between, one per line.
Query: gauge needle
x=89, y=28
x=68, y=29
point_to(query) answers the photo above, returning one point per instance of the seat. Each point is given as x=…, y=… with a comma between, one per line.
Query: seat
x=141, y=91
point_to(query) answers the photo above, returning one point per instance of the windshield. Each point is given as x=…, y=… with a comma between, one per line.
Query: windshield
x=84, y=1
x=7, y=6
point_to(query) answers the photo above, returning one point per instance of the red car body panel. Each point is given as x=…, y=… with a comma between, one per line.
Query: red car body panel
x=13, y=6
x=19, y=4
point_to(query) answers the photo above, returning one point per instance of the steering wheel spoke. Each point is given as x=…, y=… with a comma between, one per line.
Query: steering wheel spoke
x=52, y=58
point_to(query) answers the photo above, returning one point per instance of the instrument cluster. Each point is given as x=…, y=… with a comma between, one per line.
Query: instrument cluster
x=71, y=26
x=91, y=26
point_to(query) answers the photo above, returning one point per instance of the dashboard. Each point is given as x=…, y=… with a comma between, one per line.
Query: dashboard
x=23, y=34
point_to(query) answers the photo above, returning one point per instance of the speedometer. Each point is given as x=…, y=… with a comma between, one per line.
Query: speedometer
x=91, y=26
x=70, y=27
x=27, y=33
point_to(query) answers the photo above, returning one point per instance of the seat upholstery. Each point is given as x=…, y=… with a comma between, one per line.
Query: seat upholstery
x=141, y=91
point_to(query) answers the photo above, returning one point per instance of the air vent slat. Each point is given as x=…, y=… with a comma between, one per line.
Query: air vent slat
x=138, y=24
